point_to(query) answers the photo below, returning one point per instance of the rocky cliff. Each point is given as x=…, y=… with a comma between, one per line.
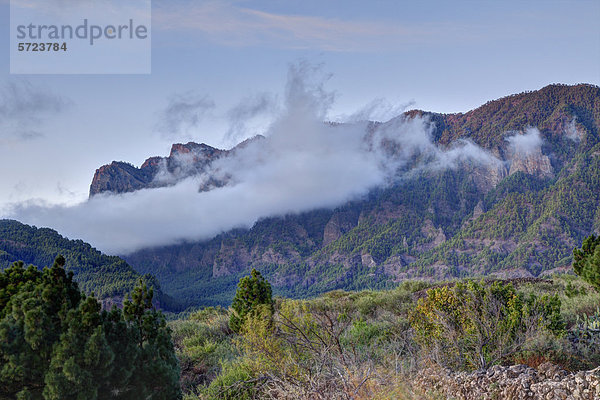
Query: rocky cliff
x=184, y=160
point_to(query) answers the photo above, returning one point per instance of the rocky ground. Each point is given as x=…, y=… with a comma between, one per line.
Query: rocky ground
x=547, y=382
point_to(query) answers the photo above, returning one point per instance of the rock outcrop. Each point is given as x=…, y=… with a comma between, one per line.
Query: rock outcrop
x=340, y=223
x=183, y=161
x=120, y=177
x=534, y=164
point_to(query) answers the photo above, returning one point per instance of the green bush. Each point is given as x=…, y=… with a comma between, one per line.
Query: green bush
x=474, y=325
x=585, y=340
x=252, y=291
x=203, y=343
x=234, y=383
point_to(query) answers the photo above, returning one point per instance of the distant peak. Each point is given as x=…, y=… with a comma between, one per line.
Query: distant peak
x=246, y=142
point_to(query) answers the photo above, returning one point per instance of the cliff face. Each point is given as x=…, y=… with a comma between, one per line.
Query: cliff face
x=184, y=160
x=520, y=216
x=533, y=164
x=120, y=177
x=339, y=223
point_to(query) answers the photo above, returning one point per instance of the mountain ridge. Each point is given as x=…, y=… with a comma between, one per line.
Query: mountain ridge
x=477, y=125
x=511, y=220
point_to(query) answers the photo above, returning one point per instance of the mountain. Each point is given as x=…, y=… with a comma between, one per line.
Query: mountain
x=519, y=217
x=184, y=160
x=108, y=277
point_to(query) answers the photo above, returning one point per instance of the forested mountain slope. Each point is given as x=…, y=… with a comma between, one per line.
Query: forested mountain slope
x=108, y=277
x=518, y=217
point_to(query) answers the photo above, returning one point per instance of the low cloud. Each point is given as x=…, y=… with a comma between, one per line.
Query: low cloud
x=183, y=114
x=242, y=115
x=181, y=166
x=23, y=109
x=572, y=132
x=302, y=164
x=405, y=146
x=525, y=144
x=379, y=109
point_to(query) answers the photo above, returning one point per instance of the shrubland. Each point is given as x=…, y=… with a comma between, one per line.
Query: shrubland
x=369, y=344
x=57, y=343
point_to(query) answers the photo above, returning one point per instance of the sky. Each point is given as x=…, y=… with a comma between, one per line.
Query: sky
x=219, y=71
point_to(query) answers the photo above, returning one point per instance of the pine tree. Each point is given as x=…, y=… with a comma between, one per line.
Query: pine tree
x=157, y=370
x=82, y=359
x=55, y=343
x=33, y=320
x=126, y=353
x=252, y=292
x=586, y=261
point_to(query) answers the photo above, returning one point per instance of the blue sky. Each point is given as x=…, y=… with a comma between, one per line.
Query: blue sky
x=217, y=55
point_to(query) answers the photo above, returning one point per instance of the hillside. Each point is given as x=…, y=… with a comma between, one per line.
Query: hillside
x=108, y=277
x=518, y=217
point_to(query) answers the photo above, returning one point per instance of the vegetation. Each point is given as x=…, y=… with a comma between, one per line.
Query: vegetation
x=586, y=261
x=473, y=325
x=253, y=297
x=56, y=343
x=543, y=108
x=370, y=344
x=104, y=276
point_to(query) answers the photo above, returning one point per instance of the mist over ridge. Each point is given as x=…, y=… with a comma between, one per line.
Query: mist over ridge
x=302, y=164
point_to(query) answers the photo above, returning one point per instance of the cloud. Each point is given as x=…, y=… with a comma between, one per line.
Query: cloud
x=572, y=132
x=23, y=108
x=228, y=24
x=183, y=114
x=406, y=148
x=305, y=91
x=65, y=192
x=379, y=109
x=248, y=110
x=302, y=164
x=525, y=144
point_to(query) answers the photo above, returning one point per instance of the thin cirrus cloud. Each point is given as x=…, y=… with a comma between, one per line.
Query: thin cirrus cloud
x=231, y=23
x=228, y=24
